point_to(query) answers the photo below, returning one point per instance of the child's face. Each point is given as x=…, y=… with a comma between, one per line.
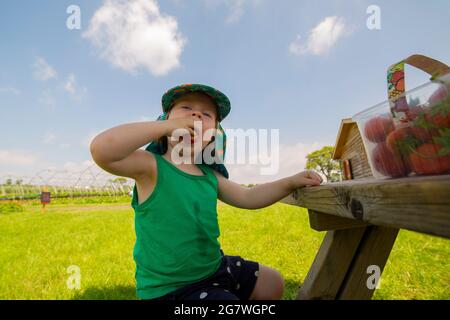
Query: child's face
x=199, y=106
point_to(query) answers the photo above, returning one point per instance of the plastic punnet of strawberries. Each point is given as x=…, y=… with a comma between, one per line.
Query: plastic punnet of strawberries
x=423, y=147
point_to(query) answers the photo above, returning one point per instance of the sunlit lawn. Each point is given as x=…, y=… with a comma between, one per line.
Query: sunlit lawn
x=36, y=250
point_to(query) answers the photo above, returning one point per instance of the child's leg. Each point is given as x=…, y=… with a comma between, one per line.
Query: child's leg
x=199, y=293
x=253, y=281
x=211, y=294
x=269, y=285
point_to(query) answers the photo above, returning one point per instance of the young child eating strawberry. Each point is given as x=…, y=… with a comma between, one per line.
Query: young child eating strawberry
x=177, y=253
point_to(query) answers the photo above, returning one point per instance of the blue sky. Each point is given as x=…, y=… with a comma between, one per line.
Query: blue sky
x=296, y=66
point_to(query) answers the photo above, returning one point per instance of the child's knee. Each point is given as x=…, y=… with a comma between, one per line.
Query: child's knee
x=269, y=286
x=278, y=287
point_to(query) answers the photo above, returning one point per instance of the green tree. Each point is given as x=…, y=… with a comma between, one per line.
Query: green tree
x=322, y=162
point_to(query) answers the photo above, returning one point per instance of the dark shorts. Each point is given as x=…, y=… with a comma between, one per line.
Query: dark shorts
x=234, y=280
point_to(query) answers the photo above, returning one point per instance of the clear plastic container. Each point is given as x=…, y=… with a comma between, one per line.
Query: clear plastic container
x=411, y=134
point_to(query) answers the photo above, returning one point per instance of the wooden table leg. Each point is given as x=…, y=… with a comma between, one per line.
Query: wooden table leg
x=339, y=270
x=374, y=250
x=331, y=263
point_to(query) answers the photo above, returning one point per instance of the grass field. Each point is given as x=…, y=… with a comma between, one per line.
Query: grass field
x=36, y=250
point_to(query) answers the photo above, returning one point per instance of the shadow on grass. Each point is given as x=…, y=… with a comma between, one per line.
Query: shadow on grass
x=107, y=293
x=129, y=292
x=291, y=290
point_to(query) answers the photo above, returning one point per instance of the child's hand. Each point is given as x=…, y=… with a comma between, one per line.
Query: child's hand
x=306, y=178
x=181, y=123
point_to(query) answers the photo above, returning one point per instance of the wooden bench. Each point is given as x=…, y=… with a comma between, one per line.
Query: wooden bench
x=362, y=219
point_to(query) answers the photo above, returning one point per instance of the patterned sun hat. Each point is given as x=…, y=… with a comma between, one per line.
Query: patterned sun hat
x=221, y=100
x=223, y=108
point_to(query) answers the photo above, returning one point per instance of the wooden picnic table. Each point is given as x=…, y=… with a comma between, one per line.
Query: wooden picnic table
x=362, y=219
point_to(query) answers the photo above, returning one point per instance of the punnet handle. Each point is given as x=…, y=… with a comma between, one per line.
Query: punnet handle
x=396, y=72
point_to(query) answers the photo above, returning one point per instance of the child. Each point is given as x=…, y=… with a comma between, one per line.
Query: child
x=177, y=253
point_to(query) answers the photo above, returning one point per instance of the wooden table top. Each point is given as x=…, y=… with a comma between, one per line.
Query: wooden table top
x=419, y=203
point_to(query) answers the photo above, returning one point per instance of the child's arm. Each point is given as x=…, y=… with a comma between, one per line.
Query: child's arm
x=263, y=195
x=116, y=150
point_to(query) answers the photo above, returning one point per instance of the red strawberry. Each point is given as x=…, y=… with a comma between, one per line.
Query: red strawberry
x=388, y=163
x=415, y=111
x=399, y=140
x=439, y=120
x=377, y=129
x=405, y=140
x=439, y=95
x=426, y=160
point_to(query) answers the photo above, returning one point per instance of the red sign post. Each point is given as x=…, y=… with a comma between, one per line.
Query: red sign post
x=45, y=198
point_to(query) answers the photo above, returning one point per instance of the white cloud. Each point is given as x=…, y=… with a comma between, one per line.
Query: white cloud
x=64, y=145
x=236, y=8
x=236, y=11
x=9, y=90
x=76, y=92
x=321, y=38
x=80, y=166
x=150, y=117
x=135, y=34
x=47, y=99
x=17, y=158
x=145, y=118
x=69, y=86
x=292, y=159
x=86, y=142
x=23, y=164
x=49, y=137
x=42, y=70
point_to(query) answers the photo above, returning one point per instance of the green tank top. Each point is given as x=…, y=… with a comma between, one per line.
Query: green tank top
x=176, y=230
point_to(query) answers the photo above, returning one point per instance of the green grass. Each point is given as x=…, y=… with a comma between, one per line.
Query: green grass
x=36, y=250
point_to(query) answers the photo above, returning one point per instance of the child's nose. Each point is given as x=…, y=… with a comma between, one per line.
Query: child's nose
x=197, y=114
